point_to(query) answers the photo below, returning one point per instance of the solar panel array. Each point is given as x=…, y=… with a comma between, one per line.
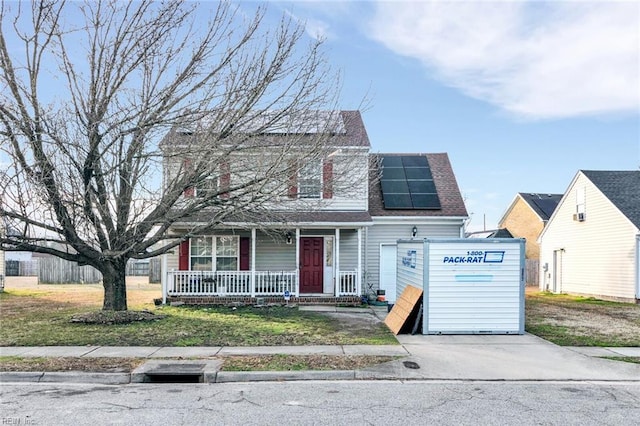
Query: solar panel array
x=407, y=183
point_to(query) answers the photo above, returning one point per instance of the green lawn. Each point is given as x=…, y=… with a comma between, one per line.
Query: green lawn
x=32, y=319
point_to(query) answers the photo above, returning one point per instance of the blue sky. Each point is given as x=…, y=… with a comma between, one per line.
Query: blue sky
x=521, y=95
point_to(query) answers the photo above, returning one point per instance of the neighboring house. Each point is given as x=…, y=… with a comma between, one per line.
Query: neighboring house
x=491, y=233
x=527, y=216
x=591, y=245
x=334, y=250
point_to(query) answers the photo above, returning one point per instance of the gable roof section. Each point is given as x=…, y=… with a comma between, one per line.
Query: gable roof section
x=451, y=202
x=622, y=188
x=347, y=131
x=542, y=204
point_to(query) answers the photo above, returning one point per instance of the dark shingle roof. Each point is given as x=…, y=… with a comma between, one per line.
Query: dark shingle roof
x=622, y=188
x=451, y=201
x=352, y=133
x=543, y=204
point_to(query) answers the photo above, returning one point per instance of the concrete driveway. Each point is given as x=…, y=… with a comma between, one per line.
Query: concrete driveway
x=497, y=357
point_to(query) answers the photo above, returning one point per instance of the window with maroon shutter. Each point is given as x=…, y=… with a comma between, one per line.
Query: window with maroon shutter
x=293, y=179
x=225, y=179
x=189, y=191
x=183, y=256
x=327, y=179
x=245, y=250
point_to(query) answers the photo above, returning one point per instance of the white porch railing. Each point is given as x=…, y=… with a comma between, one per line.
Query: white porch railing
x=230, y=283
x=238, y=283
x=348, y=283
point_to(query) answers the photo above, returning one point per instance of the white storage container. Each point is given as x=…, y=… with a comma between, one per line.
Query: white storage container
x=471, y=286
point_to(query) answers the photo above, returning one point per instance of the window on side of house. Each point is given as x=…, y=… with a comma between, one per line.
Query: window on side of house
x=580, y=200
x=310, y=180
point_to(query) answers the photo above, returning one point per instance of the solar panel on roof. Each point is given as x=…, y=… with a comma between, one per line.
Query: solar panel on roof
x=414, y=161
x=425, y=201
x=407, y=183
x=392, y=162
x=397, y=201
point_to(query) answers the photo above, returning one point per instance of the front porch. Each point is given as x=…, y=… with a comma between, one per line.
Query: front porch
x=319, y=278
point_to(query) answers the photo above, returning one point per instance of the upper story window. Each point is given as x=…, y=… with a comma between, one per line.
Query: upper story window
x=313, y=180
x=310, y=180
x=207, y=187
x=216, y=182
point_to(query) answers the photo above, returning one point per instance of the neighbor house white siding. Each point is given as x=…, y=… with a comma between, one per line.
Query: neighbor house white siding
x=593, y=257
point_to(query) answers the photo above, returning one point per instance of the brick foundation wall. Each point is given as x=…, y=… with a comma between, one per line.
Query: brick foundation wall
x=267, y=300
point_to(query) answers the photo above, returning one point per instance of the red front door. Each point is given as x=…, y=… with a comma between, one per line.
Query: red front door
x=311, y=265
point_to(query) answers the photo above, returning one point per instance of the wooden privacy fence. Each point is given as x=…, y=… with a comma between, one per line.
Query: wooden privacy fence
x=532, y=271
x=59, y=271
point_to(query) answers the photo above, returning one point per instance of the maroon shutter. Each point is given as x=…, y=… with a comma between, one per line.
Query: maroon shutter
x=183, y=256
x=225, y=179
x=189, y=191
x=327, y=179
x=245, y=253
x=293, y=179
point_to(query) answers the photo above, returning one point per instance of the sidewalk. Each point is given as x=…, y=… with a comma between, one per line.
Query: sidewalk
x=466, y=357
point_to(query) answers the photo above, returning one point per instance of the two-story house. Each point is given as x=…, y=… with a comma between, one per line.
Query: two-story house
x=321, y=229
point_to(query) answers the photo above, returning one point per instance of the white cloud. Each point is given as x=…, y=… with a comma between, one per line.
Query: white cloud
x=536, y=60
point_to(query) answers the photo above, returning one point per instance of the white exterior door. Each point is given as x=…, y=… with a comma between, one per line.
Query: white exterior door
x=388, y=266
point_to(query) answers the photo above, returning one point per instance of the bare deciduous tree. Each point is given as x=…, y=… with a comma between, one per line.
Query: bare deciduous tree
x=89, y=90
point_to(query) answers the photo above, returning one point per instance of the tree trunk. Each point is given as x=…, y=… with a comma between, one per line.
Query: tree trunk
x=115, y=288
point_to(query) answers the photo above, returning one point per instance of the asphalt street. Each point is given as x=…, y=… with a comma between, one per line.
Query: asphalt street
x=386, y=403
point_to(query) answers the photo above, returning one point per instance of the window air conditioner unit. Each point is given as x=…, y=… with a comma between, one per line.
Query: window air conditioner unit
x=580, y=217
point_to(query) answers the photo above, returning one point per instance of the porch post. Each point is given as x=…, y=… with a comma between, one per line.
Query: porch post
x=253, y=262
x=298, y=262
x=359, y=273
x=336, y=287
x=164, y=276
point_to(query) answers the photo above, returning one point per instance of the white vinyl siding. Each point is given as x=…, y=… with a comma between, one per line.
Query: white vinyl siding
x=383, y=233
x=596, y=256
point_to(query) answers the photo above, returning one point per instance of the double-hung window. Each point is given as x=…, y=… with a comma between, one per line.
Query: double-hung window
x=310, y=180
x=227, y=253
x=221, y=251
x=201, y=254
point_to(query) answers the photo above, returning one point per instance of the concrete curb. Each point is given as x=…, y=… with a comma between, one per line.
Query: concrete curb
x=279, y=376
x=66, y=377
x=209, y=377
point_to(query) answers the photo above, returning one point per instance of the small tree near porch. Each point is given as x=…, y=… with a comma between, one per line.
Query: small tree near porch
x=87, y=90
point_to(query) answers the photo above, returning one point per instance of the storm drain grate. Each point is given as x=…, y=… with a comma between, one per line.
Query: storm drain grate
x=179, y=371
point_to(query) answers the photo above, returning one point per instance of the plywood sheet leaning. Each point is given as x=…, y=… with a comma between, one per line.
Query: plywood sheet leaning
x=403, y=308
